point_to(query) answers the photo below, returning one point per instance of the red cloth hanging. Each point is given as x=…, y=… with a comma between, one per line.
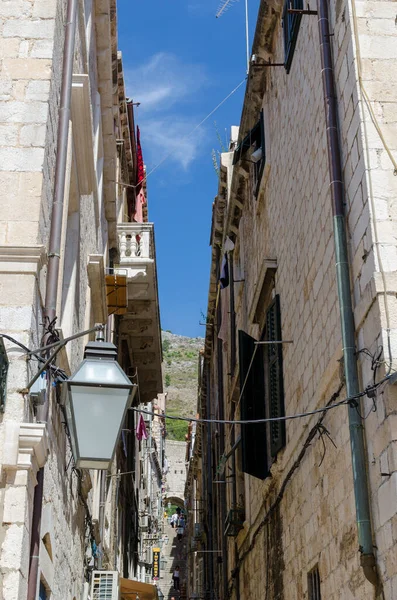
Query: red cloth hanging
x=141, y=429
x=140, y=199
x=140, y=168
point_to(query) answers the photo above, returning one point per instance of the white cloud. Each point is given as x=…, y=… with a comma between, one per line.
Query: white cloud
x=169, y=137
x=163, y=81
x=167, y=87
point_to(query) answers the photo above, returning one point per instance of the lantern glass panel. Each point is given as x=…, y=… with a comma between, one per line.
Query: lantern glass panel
x=107, y=372
x=98, y=414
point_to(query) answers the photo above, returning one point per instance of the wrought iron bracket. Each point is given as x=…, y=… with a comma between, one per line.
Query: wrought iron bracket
x=297, y=11
x=268, y=64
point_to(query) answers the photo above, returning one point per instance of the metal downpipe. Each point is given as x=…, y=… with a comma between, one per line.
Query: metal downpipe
x=54, y=252
x=209, y=489
x=358, y=451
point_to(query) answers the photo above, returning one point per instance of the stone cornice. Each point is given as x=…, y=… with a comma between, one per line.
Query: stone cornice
x=25, y=447
x=22, y=259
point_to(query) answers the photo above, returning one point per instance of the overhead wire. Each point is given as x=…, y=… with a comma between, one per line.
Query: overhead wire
x=347, y=400
x=184, y=137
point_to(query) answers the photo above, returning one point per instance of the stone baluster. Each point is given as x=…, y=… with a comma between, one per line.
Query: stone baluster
x=133, y=246
x=123, y=245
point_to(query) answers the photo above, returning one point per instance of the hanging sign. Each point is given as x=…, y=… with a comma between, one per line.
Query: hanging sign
x=156, y=563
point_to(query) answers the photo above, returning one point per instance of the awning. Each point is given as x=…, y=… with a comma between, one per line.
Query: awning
x=129, y=588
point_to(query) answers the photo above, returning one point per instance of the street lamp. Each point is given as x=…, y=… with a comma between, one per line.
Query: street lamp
x=99, y=394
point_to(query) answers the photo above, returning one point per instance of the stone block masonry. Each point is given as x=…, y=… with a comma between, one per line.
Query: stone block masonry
x=27, y=37
x=176, y=476
x=31, y=54
x=313, y=522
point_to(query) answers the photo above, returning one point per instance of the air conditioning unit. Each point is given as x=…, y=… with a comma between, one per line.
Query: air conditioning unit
x=105, y=585
x=144, y=523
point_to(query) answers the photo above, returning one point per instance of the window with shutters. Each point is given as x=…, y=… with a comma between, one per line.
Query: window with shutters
x=252, y=408
x=254, y=145
x=232, y=317
x=262, y=395
x=313, y=584
x=291, y=23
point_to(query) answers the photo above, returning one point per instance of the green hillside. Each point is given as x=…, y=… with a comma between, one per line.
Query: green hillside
x=180, y=364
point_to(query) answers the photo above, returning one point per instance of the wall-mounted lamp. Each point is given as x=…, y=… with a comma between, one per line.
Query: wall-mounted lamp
x=99, y=394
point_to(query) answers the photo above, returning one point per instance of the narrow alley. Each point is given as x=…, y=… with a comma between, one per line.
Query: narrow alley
x=174, y=554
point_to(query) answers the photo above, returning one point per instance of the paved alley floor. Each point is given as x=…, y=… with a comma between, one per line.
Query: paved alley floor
x=173, y=553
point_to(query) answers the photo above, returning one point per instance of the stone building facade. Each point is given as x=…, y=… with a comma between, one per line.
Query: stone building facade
x=286, y=526
x=89, y=519
x=176, y=476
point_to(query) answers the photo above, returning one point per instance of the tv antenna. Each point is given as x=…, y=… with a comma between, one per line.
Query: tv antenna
x=222, y=8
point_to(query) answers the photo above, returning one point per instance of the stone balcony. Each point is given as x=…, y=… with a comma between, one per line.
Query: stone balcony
x=140, y=326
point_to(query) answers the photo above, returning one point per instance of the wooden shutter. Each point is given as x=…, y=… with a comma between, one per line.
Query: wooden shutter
x=232, y=318
x=275, y=376
x=253, y=437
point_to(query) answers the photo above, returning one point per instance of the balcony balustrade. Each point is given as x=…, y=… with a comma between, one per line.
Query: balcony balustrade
x=140, y=325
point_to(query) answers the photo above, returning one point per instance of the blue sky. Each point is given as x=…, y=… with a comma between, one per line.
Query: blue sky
x=180, y=62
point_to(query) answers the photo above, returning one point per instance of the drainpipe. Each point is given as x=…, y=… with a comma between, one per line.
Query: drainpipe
x=358, y=451
x=54, y=252
x=222, y=490
x=117, y=523
x=209, y=489
x=101, y=514
x=234, y=502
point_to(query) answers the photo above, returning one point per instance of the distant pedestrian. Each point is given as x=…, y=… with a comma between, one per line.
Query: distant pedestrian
x=180, y=528
x=175, y=577
x=174, y=519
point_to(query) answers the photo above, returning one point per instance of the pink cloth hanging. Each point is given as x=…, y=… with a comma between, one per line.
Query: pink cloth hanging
x=139, y=204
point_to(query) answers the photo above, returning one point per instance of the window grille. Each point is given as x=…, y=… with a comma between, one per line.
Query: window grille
x=313, y=584
x=3, y=374
x=291, y=24
x=275, y=376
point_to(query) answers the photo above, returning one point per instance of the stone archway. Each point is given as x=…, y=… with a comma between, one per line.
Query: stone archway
x=174, y=500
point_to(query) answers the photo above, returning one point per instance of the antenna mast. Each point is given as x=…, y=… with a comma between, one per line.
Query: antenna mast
x=222, y=8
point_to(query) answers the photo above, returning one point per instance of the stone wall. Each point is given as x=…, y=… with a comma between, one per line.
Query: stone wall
x=304, y=514
x=31, y=42
x=175, y=453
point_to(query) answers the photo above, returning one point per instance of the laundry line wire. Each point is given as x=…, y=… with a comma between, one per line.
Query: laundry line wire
x=184, y=137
